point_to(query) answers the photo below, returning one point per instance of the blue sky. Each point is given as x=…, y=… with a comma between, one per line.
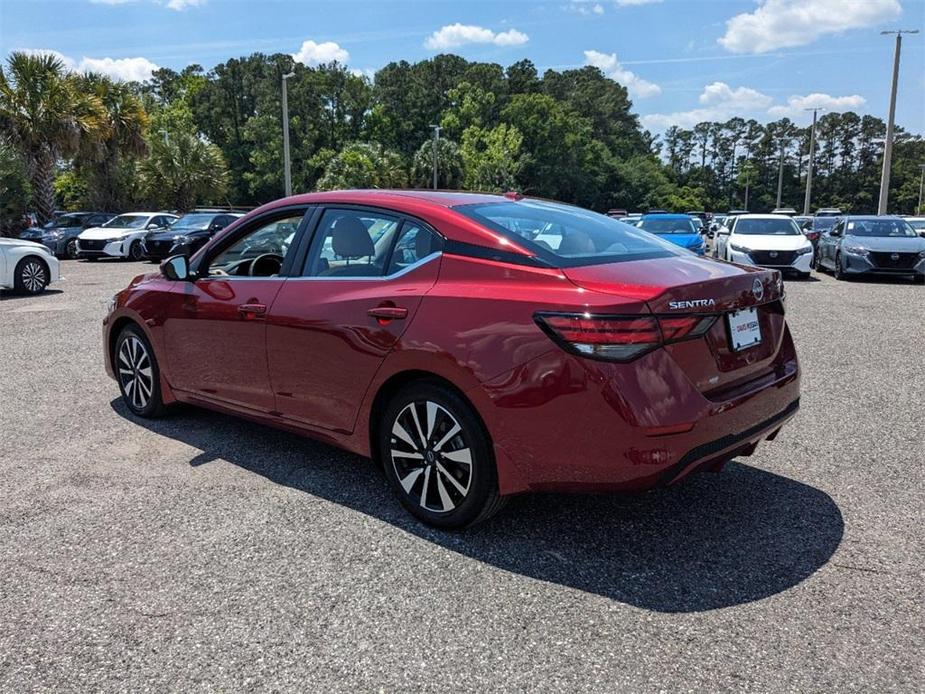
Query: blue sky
x=683, y=60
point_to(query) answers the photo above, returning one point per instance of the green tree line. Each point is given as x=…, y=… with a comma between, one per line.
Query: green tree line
x=207, y=137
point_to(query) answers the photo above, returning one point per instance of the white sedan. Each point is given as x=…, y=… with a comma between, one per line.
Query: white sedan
x=767, y=240
x=26, y=267
x=121, y=236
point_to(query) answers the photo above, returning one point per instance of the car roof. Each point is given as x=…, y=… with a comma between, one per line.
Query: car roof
x=870, y=217
x=432, y=206
x=755, y=215
x=667, y=215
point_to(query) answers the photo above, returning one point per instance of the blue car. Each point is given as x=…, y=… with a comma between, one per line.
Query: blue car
x=680, y=229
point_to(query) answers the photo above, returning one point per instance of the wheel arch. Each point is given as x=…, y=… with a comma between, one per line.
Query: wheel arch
x=29, y=255
x=112, y=336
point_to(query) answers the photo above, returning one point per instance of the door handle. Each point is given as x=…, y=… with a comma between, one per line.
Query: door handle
x=250, y=311
x=384, y=314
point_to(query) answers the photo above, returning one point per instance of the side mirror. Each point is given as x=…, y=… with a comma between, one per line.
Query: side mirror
x=922, y=233
x=153, y=225
x=176, y=268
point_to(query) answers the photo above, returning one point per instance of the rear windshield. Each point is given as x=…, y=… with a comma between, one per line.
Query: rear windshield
x=880, y=227
x=566, y=236
x=768, y=227
x=668, y=225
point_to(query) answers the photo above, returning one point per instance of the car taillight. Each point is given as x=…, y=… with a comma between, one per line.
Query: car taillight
x=619, y=338
x=812, y=235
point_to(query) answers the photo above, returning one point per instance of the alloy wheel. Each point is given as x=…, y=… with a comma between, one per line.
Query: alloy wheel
x=431, y=456
x=70, y=250
x=33, y=276
x=135, y=372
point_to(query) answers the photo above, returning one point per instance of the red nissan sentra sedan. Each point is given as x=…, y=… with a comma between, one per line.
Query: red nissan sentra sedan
x=477, y=346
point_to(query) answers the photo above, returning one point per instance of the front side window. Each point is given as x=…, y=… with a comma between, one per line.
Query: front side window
x=260, y=252
x=767, y=227
x=351, y=243
x=566, y=236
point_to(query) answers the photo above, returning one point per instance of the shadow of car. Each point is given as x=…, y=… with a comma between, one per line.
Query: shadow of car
x=711, y=542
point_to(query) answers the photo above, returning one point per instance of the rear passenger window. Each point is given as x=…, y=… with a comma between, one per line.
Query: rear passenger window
x=351, y=243
x=414, y=243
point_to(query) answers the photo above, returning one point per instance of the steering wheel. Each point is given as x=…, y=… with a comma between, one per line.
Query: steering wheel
x=266, y=265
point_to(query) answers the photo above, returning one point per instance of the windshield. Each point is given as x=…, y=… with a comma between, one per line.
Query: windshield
x=823, y=223
x=668, y=225
x=880, y=227
x=566, y=236
x=127, y=221
x=64, y=221
x=192, y=221
x=767, y=227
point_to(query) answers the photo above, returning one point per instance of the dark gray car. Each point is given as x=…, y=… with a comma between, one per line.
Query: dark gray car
x=60, y=234
x=871, y=245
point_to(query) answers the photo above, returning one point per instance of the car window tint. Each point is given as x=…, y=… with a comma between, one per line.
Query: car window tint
x=414, y=243
x=272, y=239
x=351, y=243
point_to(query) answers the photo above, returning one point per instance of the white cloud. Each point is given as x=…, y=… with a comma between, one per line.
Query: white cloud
x=369, y=73
x=718, y=101
x=611, y=67
x=313, y=54
x=126, y=69
x=796, y=105
x=786, y=23
x=455, y=35
x=180, y=5
x=585, y=7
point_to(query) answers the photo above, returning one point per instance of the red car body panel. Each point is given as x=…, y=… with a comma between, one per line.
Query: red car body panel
x=315, y=360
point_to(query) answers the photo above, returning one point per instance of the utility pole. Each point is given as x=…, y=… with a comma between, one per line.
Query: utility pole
x=287, y=167
x=919, y=210
x=888, y=145
x=748, y=175
x=780, y=172
x=437, y=130
x=812, y=154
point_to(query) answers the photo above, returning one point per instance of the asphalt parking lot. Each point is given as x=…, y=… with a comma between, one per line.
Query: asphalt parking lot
x=200, y=552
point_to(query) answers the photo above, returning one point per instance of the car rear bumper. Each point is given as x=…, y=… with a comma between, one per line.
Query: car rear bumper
x=569, y=424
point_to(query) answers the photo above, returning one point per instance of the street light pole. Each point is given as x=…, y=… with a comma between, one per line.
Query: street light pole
x=437, y=130
x=780, y=173
x=812, y=154
x=918, y=210
x=888, y=145
x=287, y=167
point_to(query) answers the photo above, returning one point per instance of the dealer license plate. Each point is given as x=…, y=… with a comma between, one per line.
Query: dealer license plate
x=744, y=329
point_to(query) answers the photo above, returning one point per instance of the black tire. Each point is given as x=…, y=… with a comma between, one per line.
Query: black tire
x=134, y=251
x=839, y=273
x=31, y=275
x=137, y=373
x=70, y=249
x=918, y=279
x=458, y=494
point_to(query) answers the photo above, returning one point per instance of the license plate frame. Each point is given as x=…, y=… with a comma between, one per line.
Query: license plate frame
x=744, y=329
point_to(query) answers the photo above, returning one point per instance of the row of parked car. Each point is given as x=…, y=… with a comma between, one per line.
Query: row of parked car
x=846, y=245
x=134, y=235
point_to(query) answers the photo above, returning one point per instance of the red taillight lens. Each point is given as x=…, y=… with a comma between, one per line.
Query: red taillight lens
x=620, y=338
x=812, y=235
x=676, y=328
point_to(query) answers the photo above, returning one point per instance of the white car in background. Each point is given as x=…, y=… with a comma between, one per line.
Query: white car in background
x=121, y=236
x=26, y=267
x=766, y=240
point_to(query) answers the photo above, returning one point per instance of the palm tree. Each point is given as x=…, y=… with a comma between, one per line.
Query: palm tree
x=182, y=169
x=45, y=116
x=125, y=124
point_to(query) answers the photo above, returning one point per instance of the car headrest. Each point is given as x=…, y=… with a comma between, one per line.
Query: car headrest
x=576, y=243
x=350, y=239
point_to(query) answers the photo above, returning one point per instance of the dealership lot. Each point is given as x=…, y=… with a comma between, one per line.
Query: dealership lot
x=202, y=552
